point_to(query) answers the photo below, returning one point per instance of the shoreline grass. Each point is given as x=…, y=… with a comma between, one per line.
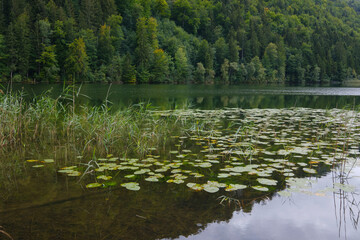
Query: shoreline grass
x=46, y=122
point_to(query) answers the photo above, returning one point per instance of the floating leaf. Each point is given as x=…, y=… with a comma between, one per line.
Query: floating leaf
x=32, y=160
x=152, y=179
x=210, y=189
x=74, y=174
x=38, y=166
x=266, y=181
x=223, y=175
x=133, y=186
x=234, y=187
x=195, y=186
x=104, y=177
x=130, y=176
x=93, y=185
x=65, y=171
x=309, y=170
x=260, y=188
x=49, y=160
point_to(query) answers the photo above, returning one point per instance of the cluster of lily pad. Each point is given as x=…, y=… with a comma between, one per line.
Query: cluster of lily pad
x=237, y=149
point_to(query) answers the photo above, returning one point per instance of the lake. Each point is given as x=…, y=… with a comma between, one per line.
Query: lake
x=207, y=96
x=262, y=162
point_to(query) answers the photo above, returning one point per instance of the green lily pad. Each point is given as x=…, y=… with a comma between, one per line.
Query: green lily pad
x=74, y=174
x=133, y=186
x=49, y=160
x=234, y=187
x=152, y=179
x=210, y=189
x=266, y=181
x=104, y=177
x=309, y=170
x=223, y=175
x=260, y=188
x=130, y=176
x=38, y=166
x=195, y=186
x=93, y=185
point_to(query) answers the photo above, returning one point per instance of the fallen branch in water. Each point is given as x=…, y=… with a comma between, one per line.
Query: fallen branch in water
x=2, y=231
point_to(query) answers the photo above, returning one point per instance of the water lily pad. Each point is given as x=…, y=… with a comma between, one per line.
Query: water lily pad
x=223, y=175
x=74, y=174
x=32, y=160
x=93, y=185
x=133, y=186
x=130, y=176
x=205, y=165
x=309, y=170
x=260, y=188
x=266, y=181
x=234, y=187
x=49, y=160
x=210, y=189
x=38, y=166
x=104, y=177
x=152, y=179
x=195, y=186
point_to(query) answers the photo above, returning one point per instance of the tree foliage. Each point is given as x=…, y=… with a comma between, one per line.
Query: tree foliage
x=300, y=41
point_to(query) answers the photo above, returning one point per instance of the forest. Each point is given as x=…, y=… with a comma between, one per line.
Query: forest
x=179, y=41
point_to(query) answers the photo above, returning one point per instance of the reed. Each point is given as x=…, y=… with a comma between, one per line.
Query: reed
x=47, y=123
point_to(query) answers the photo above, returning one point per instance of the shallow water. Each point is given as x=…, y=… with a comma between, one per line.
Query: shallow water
x=302, y=150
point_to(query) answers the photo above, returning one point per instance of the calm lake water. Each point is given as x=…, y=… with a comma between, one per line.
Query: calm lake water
x=287, y=170
x=208, y=96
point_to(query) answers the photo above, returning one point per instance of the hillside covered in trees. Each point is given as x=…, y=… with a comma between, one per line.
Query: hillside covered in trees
x=200, y=41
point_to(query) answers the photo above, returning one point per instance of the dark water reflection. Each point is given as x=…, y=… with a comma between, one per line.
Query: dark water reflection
x=60, y=209
x=209, y=96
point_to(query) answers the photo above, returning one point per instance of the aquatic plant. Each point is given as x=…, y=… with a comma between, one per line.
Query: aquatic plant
x=46, y=122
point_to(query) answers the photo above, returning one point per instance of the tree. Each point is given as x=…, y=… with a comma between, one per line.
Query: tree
x=105, y=47
x=271, y=62
x=221, y=52
x=146, y=35
x=90, y=14
x=129, y=70
x=20, y=45
x=205, y=55
x=161, y=8
x=182, y=65
x=225, y=71
x=199, y=75
x=160, y=68
x=77, y=61
x=48, y=64
x=116, y=33
x=3, y=58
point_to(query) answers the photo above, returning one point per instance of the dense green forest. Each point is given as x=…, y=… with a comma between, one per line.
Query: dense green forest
x=201, y=41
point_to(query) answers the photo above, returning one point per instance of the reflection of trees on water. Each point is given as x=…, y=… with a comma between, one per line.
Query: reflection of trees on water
x=156, y=211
